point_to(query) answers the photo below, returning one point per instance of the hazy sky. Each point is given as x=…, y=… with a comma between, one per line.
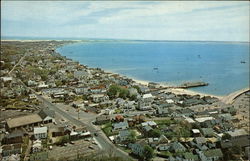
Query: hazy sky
x=223, y=21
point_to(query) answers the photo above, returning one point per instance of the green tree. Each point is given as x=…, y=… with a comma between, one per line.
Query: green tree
x=148, y=152
x=63, y=139
x=138, y=89
x=154, y=133
x=132, y=137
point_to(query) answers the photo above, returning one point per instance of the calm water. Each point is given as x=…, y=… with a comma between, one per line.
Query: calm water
x=219, y=64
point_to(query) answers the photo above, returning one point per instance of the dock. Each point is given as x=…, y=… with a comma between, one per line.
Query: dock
x=192, y=84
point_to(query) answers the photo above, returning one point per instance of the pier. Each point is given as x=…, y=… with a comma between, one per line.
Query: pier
x=193, y=84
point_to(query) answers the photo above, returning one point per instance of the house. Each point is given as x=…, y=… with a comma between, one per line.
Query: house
x=213, y=154
x=177, y=147
x=162, y=111
x=102, y=119
x=81, y=75
x=28, y=121
x=37, y=146
x=42, y=85
x=123, y=136
x=188, y=156
x=8, y=150
x=200, y=140
x=47, y=115
x=207, y=132
x=32, y=96
x=153, y=142
x=149, y=123
x=146, y=129
x=6, y=79
x=163, y=139
x=196, y=132
x=97, y=98
x=58, y=131
x=163, y=147
x=119, y=118
x=203, y=119
x=81, y=90
x=137, y=149
x=120, y=125
x=148, y=98
x=239, y=137
x=40, y=132
x=14, y=137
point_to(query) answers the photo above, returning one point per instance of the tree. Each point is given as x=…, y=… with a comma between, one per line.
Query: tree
x=63, y=139
x=138, y=89
x=226, y=136
x=115, y=90
x=148, y=152
x=154, y=133
x=132, y=137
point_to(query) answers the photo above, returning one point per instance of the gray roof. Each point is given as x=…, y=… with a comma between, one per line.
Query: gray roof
x=213, y=153
x=200, y=140
x=237, y=132
x=46, y=112
x=120, y=125
x=24, y=120
x=124, y=133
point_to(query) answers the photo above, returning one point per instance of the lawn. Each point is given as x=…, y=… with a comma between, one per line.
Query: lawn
x=107, y=129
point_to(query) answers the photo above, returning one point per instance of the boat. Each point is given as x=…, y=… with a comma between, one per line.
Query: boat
x=155, y=68
x=242, y=62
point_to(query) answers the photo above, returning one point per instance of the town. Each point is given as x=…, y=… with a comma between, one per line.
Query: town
x=54, y=108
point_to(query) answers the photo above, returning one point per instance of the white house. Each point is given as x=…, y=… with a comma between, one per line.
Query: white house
x=37, y=146
x=40, y=132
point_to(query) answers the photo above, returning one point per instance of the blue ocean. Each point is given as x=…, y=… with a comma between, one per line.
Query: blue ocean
x=224, y=65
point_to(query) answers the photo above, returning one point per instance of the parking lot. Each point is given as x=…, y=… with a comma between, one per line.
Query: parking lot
x=70, y=151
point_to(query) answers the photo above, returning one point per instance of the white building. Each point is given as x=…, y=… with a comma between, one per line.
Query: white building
x=40, y=132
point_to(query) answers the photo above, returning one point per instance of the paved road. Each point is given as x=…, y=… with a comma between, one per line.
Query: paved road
x=102, y=139
x=19, y=62
x=104, y=142
x=229, y=99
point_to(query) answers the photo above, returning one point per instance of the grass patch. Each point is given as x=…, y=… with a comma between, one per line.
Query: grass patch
x=107, y=129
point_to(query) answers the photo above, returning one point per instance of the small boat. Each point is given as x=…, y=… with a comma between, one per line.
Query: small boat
x=155, y=68
x=242, y=62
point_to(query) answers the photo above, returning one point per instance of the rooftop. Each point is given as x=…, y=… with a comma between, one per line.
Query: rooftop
x=202, y=119
x=237, y=132
x=24, y=120
x=38, y=130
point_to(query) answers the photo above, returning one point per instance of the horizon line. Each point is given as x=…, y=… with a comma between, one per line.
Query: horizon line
x=110, y=39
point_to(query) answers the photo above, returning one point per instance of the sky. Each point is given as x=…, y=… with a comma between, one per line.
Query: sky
x=148, y=20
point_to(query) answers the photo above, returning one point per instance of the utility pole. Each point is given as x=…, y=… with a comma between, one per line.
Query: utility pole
x=78, y=111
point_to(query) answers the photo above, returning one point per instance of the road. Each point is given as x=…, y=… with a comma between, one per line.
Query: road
x=229, y=99
x=104, y=142
x=19, y=62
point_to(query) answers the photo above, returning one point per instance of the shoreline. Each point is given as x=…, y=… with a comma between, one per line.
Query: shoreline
x=139, y=81
x=145, y=83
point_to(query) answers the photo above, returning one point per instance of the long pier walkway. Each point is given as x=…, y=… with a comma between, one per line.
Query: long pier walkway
x=229, y=99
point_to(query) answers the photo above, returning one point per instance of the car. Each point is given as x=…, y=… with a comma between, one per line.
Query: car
x=96, y=134
x=72, y=142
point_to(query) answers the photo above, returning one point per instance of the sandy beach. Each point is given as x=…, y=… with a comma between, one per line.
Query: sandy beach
x=178, y=90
